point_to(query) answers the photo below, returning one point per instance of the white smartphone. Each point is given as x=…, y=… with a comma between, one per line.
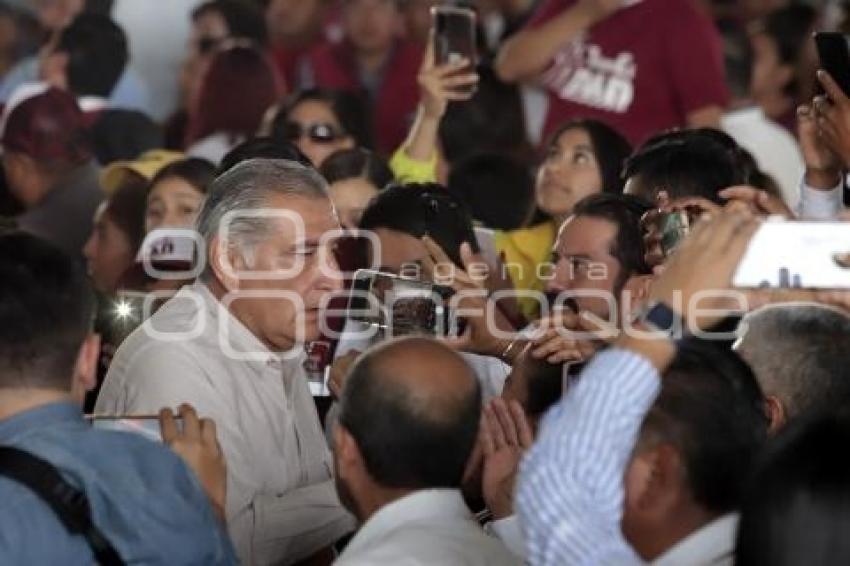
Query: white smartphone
x=801, y=255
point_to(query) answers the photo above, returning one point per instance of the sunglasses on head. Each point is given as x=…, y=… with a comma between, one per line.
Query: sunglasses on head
x=318, y=132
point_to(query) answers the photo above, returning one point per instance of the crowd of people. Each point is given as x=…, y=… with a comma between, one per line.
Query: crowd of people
x=556, y=363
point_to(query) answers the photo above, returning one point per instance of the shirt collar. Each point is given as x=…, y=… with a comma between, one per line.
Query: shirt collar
x=92, y=103
x=427, y=504
x=40, y=417
x=239, y=342
x=712, y=544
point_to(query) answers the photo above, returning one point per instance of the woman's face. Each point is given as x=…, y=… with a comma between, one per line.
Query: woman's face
x=350, y=198
x=569, y=173
x=108, y=252
x=172, y=202
x=307, y=116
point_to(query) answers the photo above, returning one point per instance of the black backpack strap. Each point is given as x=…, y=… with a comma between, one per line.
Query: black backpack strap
x=70, y=504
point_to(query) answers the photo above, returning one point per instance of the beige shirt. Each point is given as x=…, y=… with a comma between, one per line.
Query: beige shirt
x=427, y=527
x=281, y=501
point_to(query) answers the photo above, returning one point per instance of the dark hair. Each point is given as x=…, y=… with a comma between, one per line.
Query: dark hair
x=799, y=353
x=126, y=209
x=262, y=147
x=797, y=504
x=610, y=148
x=198, y=172
x=97, y=54
x=625, y=212
x=357, y=163
x=493, y=120
x=123, y=135
x=244, y=19
x=712, y=411
x=790, y=29
x=403, y=444
x=420, y=210
x=498, y=190
x=351, y=110
x=237, y=89
x=688, y=163
x=46, y=311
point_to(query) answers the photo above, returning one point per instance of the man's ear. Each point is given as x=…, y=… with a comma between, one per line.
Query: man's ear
x=85, y=368
x=638, y=287
x=661, y=483
x=346, y=450
x=225, y=264
x=776, y=414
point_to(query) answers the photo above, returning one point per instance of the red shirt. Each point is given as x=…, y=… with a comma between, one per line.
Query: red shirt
x=641, y=70
x=334, y=67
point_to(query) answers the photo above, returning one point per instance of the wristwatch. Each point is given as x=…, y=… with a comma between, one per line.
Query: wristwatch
x=659, y=317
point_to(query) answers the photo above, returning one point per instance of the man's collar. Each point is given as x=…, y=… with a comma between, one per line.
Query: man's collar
x=426, y=504
x=235, y=339
x=714, y=543
x=39, y=417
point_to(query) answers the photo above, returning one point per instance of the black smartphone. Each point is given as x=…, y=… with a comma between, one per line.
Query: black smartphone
x=834, y=53
x=399, y=306
x=454, y=35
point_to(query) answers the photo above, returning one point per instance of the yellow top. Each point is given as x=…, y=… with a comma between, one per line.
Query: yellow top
x=409, y=170
x=523, y=251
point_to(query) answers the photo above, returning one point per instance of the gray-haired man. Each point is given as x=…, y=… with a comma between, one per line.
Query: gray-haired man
x=224, y=345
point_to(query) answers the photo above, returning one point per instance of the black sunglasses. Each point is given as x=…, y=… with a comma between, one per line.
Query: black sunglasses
x=318, y=132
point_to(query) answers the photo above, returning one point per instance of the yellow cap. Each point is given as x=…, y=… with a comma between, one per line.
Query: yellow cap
x=147, y=165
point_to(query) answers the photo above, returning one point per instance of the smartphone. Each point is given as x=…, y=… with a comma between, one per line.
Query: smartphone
x=143, y=425
x=834, y=54
x=675, y=226
x=399, y=306
x=454, y=34
x=803, y=255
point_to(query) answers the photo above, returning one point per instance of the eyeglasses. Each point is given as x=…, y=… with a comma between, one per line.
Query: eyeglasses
x=318, y=132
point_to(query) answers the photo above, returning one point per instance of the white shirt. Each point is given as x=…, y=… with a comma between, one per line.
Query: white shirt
x=774, y=149
x=712, y=545
x=281, y=501
x=427, y=527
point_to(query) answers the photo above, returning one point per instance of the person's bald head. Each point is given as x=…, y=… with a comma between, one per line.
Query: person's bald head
x=413, y=407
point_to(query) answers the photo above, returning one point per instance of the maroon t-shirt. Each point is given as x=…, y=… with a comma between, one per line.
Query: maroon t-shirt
x=641, y=70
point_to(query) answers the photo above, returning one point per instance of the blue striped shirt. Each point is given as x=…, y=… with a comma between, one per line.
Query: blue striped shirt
x=570, y=490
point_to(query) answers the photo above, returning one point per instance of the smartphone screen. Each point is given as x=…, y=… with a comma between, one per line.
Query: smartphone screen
x=834, y=54
x=398, y=306
x=454, y=34
x=143, y=425
x=803, y=255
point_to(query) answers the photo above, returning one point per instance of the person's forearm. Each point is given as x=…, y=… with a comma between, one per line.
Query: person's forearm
x=421, y=144
x=570, y=488
x=529, y=52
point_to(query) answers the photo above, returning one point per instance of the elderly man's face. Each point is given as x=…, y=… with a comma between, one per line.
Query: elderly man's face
x=292, y=317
